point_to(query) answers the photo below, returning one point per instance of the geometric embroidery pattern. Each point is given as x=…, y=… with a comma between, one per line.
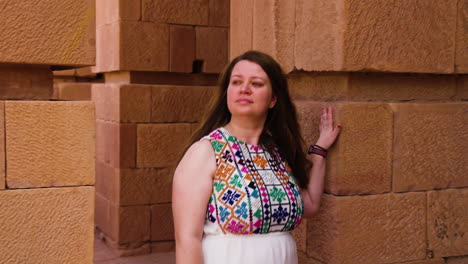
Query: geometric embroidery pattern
x=254, y=191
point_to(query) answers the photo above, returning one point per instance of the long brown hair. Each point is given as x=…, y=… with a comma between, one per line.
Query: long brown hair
x=281, y=124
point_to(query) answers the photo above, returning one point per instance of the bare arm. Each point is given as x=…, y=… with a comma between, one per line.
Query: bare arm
x=191, y=190
x=328, y=134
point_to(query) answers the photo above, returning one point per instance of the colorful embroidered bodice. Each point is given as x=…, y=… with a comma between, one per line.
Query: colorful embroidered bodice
x=253, y=189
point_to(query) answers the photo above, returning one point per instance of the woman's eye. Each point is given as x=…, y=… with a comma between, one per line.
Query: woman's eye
x=257, y=84
x=236, y=82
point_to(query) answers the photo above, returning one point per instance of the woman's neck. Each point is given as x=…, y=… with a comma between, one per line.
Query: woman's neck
x=245, y=130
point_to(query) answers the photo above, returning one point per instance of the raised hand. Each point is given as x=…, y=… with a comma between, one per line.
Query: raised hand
x=328, y=133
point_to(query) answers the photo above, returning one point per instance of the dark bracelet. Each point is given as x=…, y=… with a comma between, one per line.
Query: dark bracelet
x=316, y=149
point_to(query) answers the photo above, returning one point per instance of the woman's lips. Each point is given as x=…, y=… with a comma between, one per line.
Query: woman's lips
x=243, y=101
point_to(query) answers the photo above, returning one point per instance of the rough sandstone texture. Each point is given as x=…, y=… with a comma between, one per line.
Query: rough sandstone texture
x=315, y=86
x=116, y=144
x=2, y=145
x=462, y=87
x=241, y=27
x=219, y=13
x=161, y=145
x=58, y=221
x=145, y=186
x=132, y=45
x=447, y=222
x=211, y=48
x=397, y=43
x=318, y=35
x=73, y=91
x=179, y=103
x=370, y=229
x=351, y=35
x=461, y=42
x=25, y=82
x=426, y=261
x=162, y=227
x=122, y=103
x=182, y=48
x=33, y=32
x=429, y=149
x=110, y=11
x=107, y=182
x=176, y=12
x=134, y=223
x=300, y=236
x=49, y=143
x=360, y=162
x=273, y=30
x=390, y=86
x=457, y=260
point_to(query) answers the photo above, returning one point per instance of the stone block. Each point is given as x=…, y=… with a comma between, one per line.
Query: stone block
x=385, y=228
x=25, y=82
x=47, y=225
x=110, y=11
x=241, y=27
x=162, y=78
x=318, y=35
x=457, y=260
x=163, y=246
x=108, y=47
x=447, y=222
x=461, y=40
x=430, y=146
x=107, y=182
x=162, y=224
x=462, y=87
x=122, y=103
x=330, y=86
x=85, y=72
x=145, y=186
x=144, y=46
x=300, y=236
x=130, y=224
x=182, y=50
x=176, y=12
x=56, y=32
x=273, y=30
x=212, y=48
x=219, y=13
x=360, y=161
x=101, y=215
x=2, y=145
x=71, y=91
x=161, y=145
x=116, y=144
x=389, y=87
x=132, y=46
x=180, y=103
x=352, y=36
x=426, y=261
x=387, y=45
x=49, y=143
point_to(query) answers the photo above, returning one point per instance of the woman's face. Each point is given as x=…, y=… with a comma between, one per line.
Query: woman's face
x=249, y=92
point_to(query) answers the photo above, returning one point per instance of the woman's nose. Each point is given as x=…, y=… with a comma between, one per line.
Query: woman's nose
x=245, y=88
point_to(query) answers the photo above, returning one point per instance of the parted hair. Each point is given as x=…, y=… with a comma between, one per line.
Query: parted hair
x=281, y=126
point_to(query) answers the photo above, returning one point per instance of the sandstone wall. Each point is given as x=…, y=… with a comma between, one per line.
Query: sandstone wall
x=47, y=148
x=160, y=61
x=394, y=71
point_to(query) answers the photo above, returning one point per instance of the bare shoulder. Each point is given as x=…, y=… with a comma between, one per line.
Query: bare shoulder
x=199, y=158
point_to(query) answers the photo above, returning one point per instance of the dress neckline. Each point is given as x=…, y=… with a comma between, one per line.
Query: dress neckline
x=250, y=146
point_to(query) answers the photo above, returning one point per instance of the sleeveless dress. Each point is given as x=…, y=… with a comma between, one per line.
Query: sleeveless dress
x=254, y=204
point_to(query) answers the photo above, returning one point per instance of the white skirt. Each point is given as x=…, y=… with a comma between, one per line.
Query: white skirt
x=271, y=248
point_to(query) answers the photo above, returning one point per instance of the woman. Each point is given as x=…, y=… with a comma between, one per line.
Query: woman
x=245, y=181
